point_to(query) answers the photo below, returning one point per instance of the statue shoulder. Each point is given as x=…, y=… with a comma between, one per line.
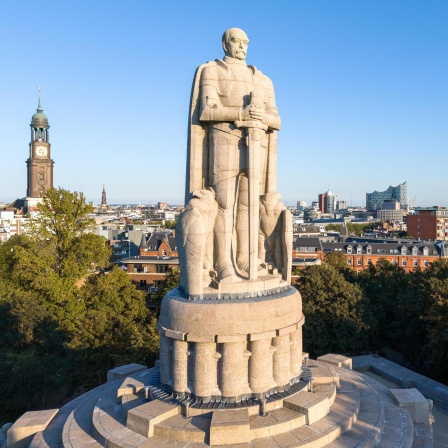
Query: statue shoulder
x=262, y=79
x=213, y=69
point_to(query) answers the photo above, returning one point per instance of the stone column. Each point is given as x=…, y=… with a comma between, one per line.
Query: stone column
x=232, y=367
x=180, y=364
x=260, y=366
x=282, y=361
x=166, y=370
x=295, y=338
x=204, y=370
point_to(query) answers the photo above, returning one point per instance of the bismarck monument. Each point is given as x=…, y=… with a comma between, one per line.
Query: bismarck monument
x=231, y=369
x=233, y=328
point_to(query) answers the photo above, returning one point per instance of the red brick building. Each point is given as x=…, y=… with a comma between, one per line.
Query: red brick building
x=161, y=244
x=429, y=223
x=148, y=271
x=360, y=254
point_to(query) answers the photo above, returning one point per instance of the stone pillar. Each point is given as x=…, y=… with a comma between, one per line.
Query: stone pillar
x=204, y=370
x=166, y=369
x=180, y=364
x=260, y=367
x=295, y=338
x=282, y=361
x=232, y=367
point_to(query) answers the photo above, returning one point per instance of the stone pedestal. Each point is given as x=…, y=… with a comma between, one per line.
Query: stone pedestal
x=230, y=349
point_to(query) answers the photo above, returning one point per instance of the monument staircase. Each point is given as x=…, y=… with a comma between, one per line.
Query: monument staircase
x=330, y=406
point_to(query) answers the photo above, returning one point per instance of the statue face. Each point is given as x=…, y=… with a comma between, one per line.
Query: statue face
x=236, y=44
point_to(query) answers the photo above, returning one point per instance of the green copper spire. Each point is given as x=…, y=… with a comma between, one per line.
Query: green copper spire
x=39, y=106
x=39, y=120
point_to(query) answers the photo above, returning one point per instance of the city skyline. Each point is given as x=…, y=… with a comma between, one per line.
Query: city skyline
x=361, y=90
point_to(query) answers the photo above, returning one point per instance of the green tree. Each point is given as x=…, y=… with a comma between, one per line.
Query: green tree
x=333, y=311
x=115, y=327
x=62, y=231
x=56, y=310
x=170, y=282
x=381, y=285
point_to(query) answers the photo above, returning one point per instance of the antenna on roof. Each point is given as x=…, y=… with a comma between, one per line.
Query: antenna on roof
x=38, y=88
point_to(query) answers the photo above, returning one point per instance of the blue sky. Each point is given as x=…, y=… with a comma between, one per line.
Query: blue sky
x=361, y=86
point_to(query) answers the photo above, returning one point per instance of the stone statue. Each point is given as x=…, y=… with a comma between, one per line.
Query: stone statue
x=232, y=330
x=232, y=149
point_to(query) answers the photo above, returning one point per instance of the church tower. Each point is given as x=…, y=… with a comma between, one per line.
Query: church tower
x=103, y=201
x=39, y=163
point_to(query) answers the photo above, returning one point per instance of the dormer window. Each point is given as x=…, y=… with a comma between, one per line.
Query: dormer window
x=425, y=251
x=349, y=249
x=369, y=249
x=403, y=251
x=414, y=251
x=358, y=249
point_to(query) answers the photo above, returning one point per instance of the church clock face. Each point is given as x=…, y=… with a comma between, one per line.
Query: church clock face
x=41, y=151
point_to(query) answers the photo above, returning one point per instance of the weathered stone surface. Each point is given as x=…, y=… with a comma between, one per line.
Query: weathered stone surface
x=337, y=360
x=143, y=418
x=414, y=402
x=20, y=433
x=230, y=427
x=123, y=371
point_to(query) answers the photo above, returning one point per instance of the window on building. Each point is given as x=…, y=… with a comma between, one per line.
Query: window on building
x=369, y=261
x=161, y=268
x=426, y=263
x=415, y=263
x=359, y=250
x=403, y=251
x=369, y=250
x=394, y=262
x=358, y=261
x=349, y=249
x=414, y=251
x=403, y=262
x=142, y=282
x=349, y=261
x=163, y=251
x=425, y=251
x=138, y=268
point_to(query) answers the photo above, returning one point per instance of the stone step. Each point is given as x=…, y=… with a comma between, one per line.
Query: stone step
x=341, y=416
x=109, y=425
x=142, y=419
x=276, y=422
x=314, y=404
x=193, y=429
x=380, y=422
x=78, y=429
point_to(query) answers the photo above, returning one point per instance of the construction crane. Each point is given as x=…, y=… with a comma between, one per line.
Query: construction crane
x=411, y=203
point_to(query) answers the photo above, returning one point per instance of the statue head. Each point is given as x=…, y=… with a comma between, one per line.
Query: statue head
x=235, y=42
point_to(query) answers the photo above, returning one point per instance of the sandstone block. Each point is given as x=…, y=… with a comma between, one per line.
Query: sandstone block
x=415, y=403
x=21, y=432
x=230, y=427
x=337, y=360
x=123, y=371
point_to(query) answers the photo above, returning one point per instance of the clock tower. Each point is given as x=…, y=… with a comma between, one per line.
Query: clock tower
x=39, y=163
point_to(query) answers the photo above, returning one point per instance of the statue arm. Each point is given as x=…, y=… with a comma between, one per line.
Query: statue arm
x=211, y=108
x=272, y=119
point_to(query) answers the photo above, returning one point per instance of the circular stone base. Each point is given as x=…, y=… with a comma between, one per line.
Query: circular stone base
x=230, y=348
x=345, y=409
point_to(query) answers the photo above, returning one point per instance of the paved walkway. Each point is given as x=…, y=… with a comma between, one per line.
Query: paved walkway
x=395, y=376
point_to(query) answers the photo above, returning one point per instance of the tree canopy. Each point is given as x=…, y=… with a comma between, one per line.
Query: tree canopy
x=66, y=316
